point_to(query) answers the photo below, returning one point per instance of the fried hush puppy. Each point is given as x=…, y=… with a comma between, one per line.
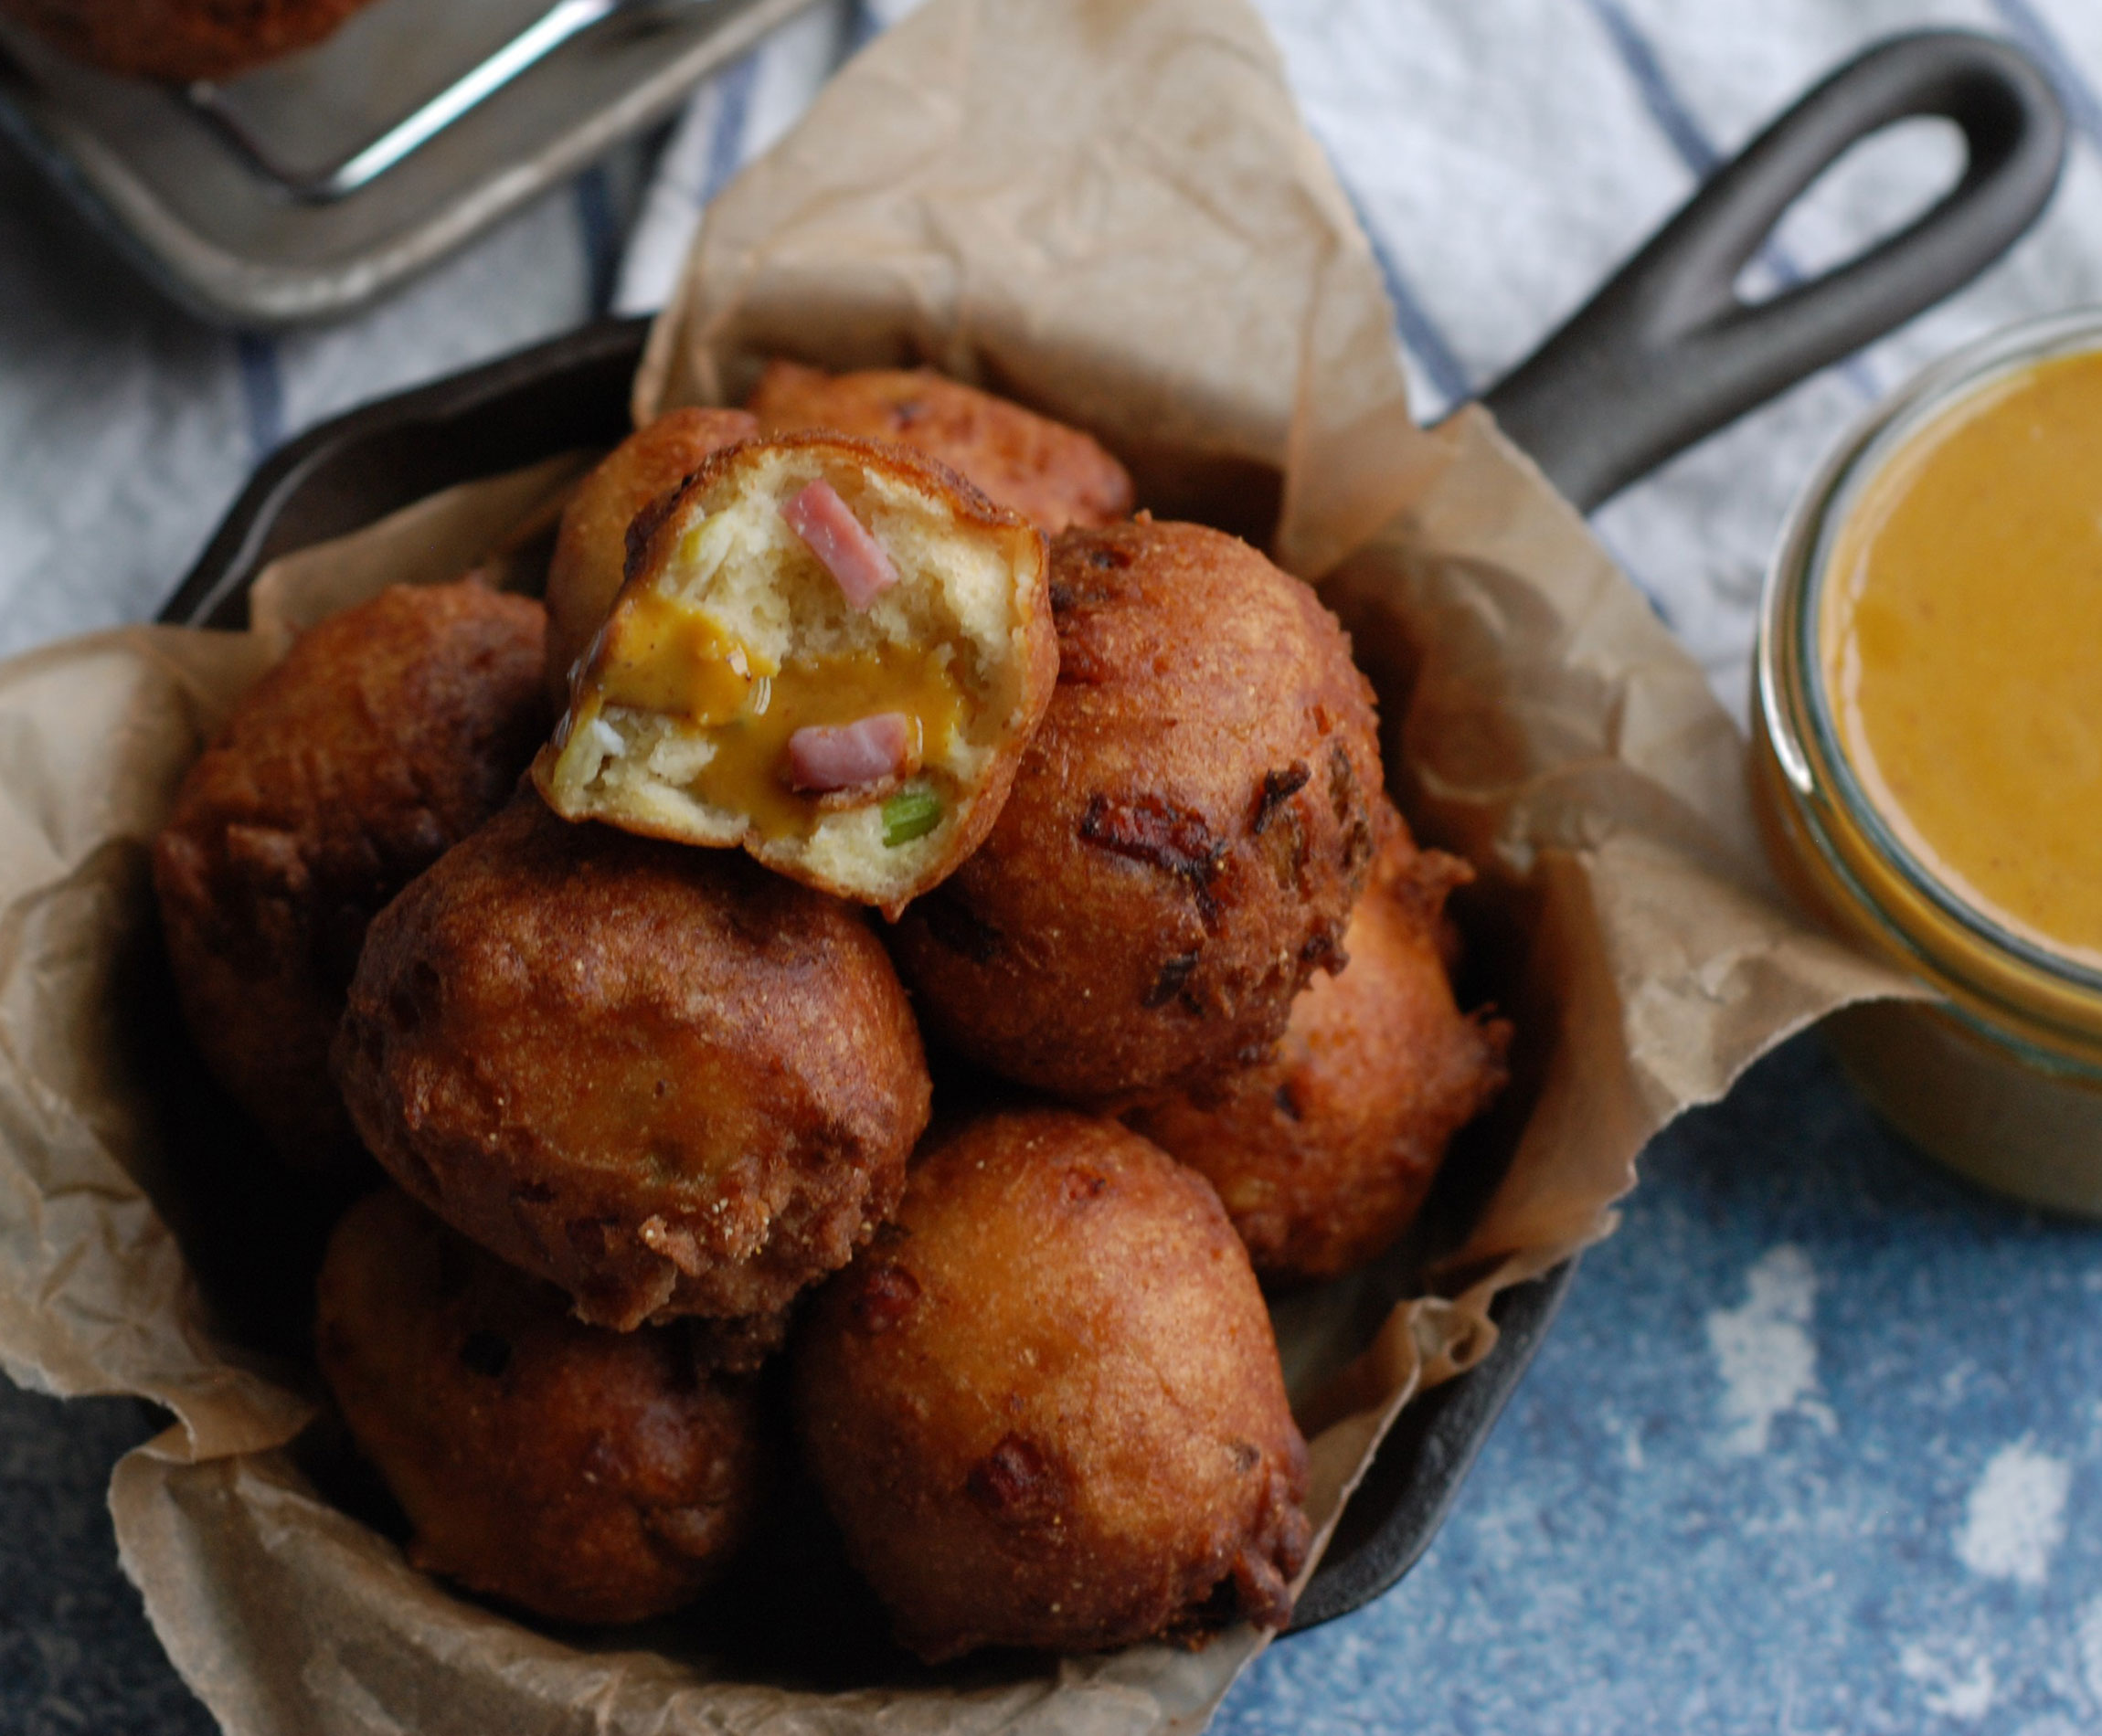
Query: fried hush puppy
x=1322, y=1154
x=1187, y=833
x=388, y=734
x=180, y=40
x=591, y=547
x=827, y=651
x=661, y=1078
x=1055, y=476
x=582, y=1475
x=1045, y=1406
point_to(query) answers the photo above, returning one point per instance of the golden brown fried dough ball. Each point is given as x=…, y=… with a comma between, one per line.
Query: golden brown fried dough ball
x=583, y=1475
x=663, y=1078
x=388, y=734
x=1188, y=831
x=1045, y=1406
x=591, y=547
x=1052, y=475
x=1323, y=1155
x=180, y=39
x=828, y=651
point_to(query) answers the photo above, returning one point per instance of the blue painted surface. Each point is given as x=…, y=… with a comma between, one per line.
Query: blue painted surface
x=77, y=1657
x=1911, y=1542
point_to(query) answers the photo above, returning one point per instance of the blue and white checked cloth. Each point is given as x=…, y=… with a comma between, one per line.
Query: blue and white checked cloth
x=1505, y=155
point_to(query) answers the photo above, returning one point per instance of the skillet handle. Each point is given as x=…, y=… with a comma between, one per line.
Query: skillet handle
x=1665, y=353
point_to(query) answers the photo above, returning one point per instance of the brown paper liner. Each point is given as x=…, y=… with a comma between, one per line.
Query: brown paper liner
x=1111, y=211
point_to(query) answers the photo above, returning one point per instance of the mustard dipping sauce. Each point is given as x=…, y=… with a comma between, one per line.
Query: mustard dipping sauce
x=1960, y=638
x=665, y=656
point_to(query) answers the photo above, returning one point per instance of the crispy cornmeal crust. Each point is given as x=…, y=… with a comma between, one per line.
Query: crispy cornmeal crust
x=592, y=548
x=665, y=1079
x=1053, y=475
x=388, y=734
x=584, y=1474
x=180, y=39
x=1323, y=1155
x=1188, y=831
x=970, y=614
x=1045, y=1406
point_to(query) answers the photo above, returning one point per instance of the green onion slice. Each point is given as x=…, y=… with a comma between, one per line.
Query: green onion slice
x=913, y=813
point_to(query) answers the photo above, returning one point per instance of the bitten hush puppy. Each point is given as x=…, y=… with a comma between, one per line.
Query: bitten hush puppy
x=591, y=547
x=584, y=1474
x=388, y=734
x=828, y=651
x=1045, y=1406
x=181, y=39
x=1053, y=475
x=1323, y=1155
x=663, y=1078
x=1188, y=830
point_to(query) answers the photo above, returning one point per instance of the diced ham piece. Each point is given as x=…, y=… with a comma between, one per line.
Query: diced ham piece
x=862, y=753
x=841, y=542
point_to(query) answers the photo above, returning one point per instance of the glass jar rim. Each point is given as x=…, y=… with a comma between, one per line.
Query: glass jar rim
x=1791, y=701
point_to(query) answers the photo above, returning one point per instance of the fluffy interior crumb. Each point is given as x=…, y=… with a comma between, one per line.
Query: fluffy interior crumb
x=766, y=643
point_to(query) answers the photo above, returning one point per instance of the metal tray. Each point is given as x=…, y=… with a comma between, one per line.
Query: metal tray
x=150, y=165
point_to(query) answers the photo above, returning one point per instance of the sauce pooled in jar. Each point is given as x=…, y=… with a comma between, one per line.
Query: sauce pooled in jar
x=1960, y=635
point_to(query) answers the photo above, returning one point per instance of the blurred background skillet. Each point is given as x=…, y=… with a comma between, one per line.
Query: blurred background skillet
x=306, y=187
x=1663, y=355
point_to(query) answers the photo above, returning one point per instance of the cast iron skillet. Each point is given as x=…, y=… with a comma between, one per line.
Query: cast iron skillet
x=1662, y=356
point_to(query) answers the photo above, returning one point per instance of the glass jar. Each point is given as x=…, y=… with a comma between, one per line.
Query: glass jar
x=1999, y=1075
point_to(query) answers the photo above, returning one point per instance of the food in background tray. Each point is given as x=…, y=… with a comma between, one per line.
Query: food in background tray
x=583, y=1475
x=1045, y=1406
x=180, y=40
x=592, y=548
x=827, y=651
x=388, y=734
x=1323, y=1153
x=1187, y=833
x=1053, y=475
x=661, y=1077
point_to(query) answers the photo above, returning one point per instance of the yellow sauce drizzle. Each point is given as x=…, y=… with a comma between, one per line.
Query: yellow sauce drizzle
x=675, y=661
x=661, y=657
x=1962, y=641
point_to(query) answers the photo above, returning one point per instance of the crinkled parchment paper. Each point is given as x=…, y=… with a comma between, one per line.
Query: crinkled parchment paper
x=1109, y=210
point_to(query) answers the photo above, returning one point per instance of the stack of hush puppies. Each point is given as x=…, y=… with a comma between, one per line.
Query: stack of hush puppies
x=865, y=725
